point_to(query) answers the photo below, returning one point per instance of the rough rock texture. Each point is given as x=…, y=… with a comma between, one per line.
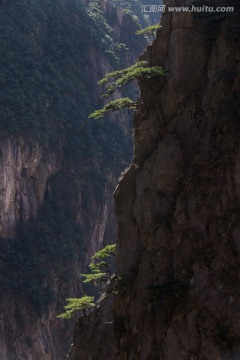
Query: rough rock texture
x=177, y=206
x=24, y=171
x=101, y=319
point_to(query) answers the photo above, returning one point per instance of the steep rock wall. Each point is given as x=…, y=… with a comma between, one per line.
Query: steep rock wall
x=24, y=173
x=177, y=206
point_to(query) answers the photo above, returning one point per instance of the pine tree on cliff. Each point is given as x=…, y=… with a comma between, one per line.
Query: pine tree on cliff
x=114, y=81
x=100, y=272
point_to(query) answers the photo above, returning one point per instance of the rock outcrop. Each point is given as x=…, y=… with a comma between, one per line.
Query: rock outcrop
x=177, y=206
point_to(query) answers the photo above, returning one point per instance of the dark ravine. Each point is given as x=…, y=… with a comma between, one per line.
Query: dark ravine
x=56, y=203
x=178, y=206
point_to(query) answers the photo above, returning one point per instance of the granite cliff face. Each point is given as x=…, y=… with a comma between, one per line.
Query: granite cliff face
x=24, y=174
x=177, y=206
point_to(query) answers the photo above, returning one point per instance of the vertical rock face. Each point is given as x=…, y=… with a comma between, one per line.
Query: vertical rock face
x=24, y=171
x=177, y=206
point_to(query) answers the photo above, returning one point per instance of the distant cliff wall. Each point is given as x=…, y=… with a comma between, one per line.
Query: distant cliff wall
x=58, y=169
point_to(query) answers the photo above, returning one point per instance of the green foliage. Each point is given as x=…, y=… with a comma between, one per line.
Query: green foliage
x=109, y=250
x=96, y=14
x=100, y=267
x=117, y=79
x=100, y=273
x=149, y=30
x=114, y=81
x=101, y=31
x=113, y=105
x=83, y=304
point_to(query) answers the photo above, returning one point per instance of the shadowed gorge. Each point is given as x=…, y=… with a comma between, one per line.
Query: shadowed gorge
x=58, y=169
